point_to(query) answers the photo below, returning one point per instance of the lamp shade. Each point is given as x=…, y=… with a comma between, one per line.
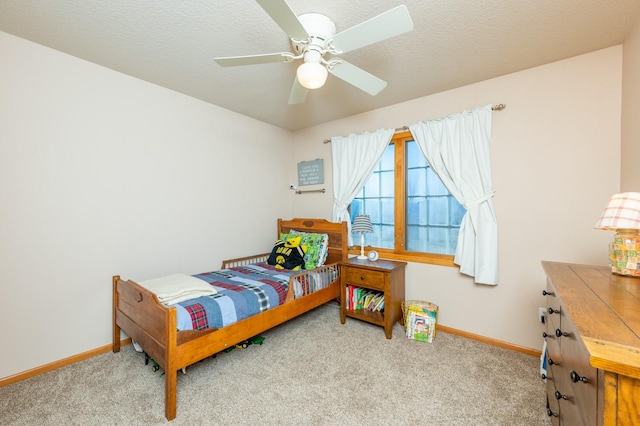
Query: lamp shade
x=312, y=75
x=622, y=212
x=362, y=223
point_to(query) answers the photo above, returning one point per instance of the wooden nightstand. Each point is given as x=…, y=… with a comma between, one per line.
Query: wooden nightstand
x=362, y=282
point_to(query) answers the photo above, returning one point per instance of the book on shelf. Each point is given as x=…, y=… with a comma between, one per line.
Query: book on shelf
x=362, y=298
x=379, y=305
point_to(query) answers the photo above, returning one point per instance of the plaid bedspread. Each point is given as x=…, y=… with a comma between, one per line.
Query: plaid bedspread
x=242, y=291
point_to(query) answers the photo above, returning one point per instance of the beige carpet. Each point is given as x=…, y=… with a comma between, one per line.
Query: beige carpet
x=310, y=371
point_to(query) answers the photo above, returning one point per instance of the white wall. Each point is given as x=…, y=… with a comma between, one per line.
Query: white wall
x=630, y=179
x=555, y=159
x=103, y=174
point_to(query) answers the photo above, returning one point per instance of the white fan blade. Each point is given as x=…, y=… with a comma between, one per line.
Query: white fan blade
x=298, y=93
x=286, y=19
x=268, y=58
x=386, y=25
x=358, y=77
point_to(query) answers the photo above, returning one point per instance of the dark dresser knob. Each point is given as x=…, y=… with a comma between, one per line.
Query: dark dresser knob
x=552, y=362
x=560, y=333
x=558, y=395
x=553, y=311
x=550, y=293
x=575, y=377
x=551, y=413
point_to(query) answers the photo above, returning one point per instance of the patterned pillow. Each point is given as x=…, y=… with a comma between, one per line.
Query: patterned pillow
x=316, y=247
x=325, y=250
x=287, y=254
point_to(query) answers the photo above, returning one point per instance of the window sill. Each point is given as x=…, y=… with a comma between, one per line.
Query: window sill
x=432, y=259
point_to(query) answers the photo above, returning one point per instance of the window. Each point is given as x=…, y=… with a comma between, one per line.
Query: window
x=413, y=214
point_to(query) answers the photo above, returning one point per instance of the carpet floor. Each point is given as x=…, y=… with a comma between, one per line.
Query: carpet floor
x=310, y=371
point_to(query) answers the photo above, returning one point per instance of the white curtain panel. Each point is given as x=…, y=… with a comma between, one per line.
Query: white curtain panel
x=354, y=159
x=457, y=149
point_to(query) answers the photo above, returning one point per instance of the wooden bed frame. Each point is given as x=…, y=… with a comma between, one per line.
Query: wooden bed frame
x=138, y=312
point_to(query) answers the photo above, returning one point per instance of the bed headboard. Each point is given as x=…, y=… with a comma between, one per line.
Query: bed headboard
x=337, y=234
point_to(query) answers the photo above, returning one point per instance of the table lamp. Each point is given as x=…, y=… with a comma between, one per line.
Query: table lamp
x=362, y=224
x=622, y=215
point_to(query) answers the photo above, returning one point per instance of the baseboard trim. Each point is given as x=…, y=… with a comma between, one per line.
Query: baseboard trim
x=57, y=364
x=98, y=351
x=484, y=339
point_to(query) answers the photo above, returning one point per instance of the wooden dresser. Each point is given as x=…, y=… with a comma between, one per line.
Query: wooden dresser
x=593, y=345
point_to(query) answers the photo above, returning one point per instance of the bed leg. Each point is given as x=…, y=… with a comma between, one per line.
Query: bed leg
x=170, y=394
x=116, y=328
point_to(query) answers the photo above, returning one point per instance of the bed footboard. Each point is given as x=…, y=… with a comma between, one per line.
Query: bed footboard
x=139, y=313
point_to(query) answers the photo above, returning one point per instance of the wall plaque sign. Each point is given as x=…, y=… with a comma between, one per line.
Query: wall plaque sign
x=311, y=172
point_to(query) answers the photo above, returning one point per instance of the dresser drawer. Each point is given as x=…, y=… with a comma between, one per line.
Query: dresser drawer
x=553, y=408
x=364, y=278
x=554, y=357
x=581, y=377
x=553, y=316
x=552, y=374
x=561, y=401
x=562, y=393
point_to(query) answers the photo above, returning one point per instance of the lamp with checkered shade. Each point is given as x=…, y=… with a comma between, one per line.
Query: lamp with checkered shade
x=622, y=214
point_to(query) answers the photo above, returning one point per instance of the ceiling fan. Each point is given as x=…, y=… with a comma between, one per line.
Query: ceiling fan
x=313, y=39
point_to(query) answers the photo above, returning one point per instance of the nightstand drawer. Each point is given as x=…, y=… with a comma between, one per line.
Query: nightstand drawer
x=364, y=278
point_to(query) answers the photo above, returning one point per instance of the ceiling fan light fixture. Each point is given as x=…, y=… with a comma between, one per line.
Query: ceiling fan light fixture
x=312, y=75
x=313, y=36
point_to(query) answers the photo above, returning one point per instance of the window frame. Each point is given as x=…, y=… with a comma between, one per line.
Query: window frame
x=398, y=253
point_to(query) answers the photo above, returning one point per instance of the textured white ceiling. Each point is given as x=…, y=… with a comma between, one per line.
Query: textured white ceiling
x=172, y=43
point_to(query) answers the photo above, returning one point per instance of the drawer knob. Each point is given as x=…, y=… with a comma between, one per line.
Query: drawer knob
x=553, y=311
x=575, y=377
x=559, y=396
x=362, y=277
x=545, y=377
x=545, y=335
x=551, y=413
x=548, y=293
x=560, y=333
x=552, y=362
